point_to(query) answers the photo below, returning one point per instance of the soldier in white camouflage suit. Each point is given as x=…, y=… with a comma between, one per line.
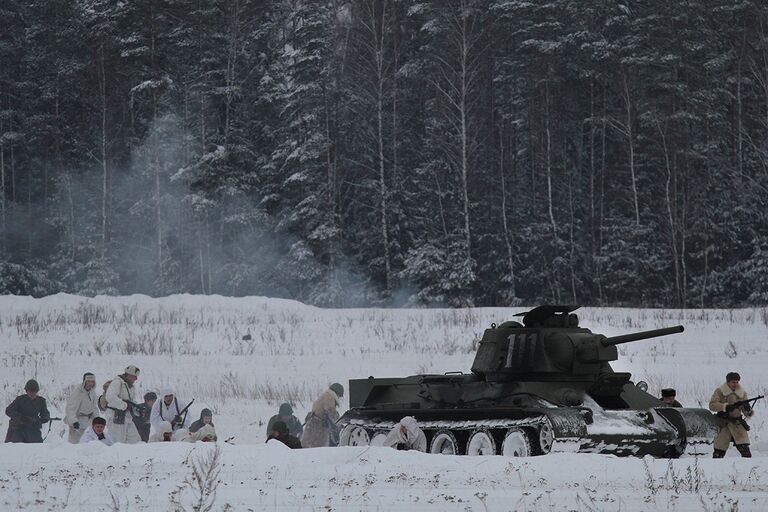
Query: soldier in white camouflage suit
x=167, y=408
x=81, y=408
x=407, y=435
x=119, y=415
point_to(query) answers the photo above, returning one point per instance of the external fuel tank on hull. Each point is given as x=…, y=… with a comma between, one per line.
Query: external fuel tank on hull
x=539, y=386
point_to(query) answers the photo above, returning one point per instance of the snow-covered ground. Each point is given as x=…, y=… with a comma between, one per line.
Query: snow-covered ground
x=195, y=344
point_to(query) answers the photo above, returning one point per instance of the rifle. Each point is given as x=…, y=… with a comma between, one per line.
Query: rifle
x=742, y=403
x=178, y=420
x=50, y=425
x=735, y=405
x=31, y=421
x=136, y=408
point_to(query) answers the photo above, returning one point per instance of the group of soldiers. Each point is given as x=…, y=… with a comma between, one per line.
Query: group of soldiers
x=117, y=417
x=732, y=407
x=162, y=418
x=320, y=427
x=113, y=417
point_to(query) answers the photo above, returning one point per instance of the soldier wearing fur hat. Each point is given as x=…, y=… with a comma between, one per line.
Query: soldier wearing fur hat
x=669, y=397
x=119, y=397
x=285, y=414
x=731, y=418
x=81, y=408
x=320, y=428
x=28, y=413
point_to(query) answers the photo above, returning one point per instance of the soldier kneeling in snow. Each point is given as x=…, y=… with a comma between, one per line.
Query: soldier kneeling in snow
x=407, y=436
x=730, y=417
x=285, y=414
x=280, y=433
x=167, y=409
x=163, y=431
x=96, y=432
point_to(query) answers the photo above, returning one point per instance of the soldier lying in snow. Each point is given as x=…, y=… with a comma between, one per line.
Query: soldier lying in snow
x=407, y=435
x=205, y=434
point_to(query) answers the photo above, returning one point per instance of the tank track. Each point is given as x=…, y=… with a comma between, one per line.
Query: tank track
x=459, y=433
x=620, y=433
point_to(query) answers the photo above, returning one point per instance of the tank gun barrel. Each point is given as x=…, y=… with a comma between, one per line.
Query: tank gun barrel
x=642, y=335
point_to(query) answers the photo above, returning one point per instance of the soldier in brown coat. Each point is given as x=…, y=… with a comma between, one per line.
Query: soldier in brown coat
x=730, y=418
x=321, y=421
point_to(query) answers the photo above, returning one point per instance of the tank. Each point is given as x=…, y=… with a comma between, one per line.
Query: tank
x=538, y=386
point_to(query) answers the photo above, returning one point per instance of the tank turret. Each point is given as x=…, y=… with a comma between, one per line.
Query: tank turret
x=538, y=384
x=548, y=345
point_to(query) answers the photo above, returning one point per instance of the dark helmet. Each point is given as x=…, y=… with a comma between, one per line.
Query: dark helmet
x=150, y=395
x=668, y=392
x=337, y=388
x=32, y=385
x=280, y=427
x=285, y=409
x=732, y=376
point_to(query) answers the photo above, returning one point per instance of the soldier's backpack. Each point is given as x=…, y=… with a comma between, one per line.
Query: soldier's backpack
x=102, y=401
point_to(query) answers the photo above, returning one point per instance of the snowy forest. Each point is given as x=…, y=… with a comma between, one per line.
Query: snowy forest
x=387, y=152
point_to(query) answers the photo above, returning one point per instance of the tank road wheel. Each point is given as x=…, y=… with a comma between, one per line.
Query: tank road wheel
x=546, y=437
x=516, y=444
x=481, y=443
x=354, y=435
x=378, y=438
x=444, y=443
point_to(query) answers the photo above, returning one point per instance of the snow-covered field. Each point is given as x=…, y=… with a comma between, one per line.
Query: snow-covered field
x=195, y=344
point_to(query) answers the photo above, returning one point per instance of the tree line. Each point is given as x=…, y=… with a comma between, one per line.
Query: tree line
x=383, y=152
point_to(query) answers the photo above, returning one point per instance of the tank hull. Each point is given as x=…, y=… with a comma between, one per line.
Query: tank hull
x=538, y=425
